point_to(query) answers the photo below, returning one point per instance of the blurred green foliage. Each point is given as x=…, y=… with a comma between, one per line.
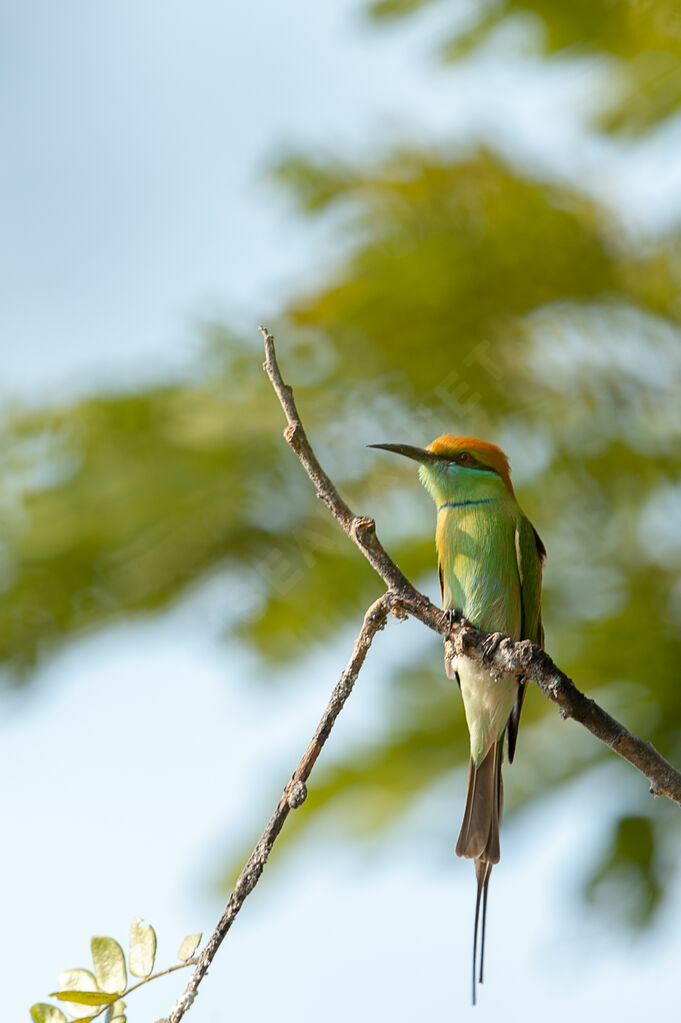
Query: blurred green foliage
x=630, y=866
x=640, y=39
x=473, y=300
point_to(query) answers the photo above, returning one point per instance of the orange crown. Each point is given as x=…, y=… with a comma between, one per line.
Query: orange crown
x=486, y=453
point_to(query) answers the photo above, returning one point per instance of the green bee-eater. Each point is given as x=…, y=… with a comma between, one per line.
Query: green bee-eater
x=490, y=568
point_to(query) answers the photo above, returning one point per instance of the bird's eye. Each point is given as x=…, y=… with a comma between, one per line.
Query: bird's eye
x=464, y=458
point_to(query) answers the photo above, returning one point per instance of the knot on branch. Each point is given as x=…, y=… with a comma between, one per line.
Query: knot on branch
x=522, y=653
x=292, y=432
x=363, y=529
x=297, y=794
x=466, y=638
x=397, y=609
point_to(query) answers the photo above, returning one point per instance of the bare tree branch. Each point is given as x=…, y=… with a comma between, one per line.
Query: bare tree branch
x=497, y=652
x=292, y=797
x=521, y=658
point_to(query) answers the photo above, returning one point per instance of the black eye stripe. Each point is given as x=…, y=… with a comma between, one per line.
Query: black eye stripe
x=471, y=463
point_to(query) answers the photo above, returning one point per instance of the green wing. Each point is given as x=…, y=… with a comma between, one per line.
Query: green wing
x=530, y=553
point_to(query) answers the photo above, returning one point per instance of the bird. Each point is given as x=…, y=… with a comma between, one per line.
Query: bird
x=490, y=560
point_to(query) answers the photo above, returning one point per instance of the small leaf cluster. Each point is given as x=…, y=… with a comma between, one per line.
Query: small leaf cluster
x=82, y=990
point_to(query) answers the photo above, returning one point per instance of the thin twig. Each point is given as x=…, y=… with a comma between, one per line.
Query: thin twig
x=293, y=796
x=362, y=531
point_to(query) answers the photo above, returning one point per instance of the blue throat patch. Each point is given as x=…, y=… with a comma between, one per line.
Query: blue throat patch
x=465, y=504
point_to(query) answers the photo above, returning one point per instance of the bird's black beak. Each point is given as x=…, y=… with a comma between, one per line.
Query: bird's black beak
x=417, y=454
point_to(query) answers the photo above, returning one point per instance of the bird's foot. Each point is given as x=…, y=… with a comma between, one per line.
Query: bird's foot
x=490, y=645
x=450, y=617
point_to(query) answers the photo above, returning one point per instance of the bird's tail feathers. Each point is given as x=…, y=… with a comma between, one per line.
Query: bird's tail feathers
x=479, y=837
x=483, y=872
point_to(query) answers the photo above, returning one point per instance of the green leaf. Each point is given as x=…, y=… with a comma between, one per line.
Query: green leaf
x=84, y=997
x=41, y=1012
x=142, y=948
x=107, y=955
x=116, y=1013
x=189, y=947
x=78, y=981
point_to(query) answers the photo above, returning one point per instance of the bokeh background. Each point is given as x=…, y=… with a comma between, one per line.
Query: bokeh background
x=455, y=216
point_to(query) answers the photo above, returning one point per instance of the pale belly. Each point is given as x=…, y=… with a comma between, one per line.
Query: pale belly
x=488, y=703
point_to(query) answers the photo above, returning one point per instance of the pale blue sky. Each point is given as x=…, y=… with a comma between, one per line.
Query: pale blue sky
x=132, y=195
x=133, y=204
